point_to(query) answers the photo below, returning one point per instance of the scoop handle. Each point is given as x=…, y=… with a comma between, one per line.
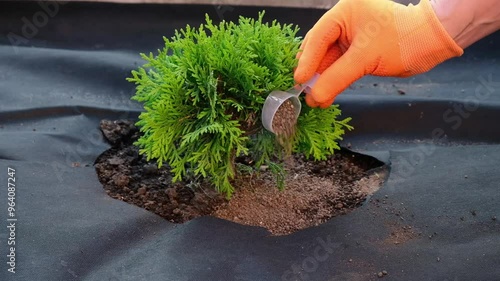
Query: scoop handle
x=306, y=87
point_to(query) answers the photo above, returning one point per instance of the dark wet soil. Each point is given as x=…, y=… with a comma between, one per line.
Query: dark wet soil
x=314, y=193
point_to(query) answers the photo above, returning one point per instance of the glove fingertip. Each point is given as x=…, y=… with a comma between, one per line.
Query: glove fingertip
x=302, y=74
x=322, y=92
x=327, y=104
x=310, y=101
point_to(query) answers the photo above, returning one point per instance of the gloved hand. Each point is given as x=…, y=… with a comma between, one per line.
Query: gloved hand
x=377, y=37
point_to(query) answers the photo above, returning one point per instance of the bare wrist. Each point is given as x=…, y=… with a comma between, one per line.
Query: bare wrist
x=453, y=17
x=467, y=21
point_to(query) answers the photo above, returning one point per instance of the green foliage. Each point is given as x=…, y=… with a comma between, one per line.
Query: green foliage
x=203, y=95
x=319, y=131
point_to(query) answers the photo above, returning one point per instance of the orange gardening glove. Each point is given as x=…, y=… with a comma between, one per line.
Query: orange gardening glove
x=377, y=37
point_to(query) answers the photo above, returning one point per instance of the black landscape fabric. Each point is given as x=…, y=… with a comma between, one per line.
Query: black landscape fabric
x=63, y=69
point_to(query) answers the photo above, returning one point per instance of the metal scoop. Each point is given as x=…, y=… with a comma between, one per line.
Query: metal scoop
x=277, y=98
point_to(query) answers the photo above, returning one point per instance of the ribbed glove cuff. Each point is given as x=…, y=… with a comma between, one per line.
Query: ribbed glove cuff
x=424, y=43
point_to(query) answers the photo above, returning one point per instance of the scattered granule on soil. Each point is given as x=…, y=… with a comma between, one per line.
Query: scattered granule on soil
x=308, y=200
x=401, y=234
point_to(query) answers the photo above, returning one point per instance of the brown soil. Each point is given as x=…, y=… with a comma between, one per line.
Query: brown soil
x=315, y=191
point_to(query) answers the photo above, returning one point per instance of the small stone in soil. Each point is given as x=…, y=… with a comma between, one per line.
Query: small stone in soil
x=141, y=191
x=120, y=180
x=115, y=161
x=150, y=169
x=114, y=130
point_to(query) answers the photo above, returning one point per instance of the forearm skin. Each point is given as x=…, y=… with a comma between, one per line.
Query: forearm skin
x=468, y=21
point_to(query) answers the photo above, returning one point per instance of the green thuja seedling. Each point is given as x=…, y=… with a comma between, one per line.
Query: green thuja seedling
x=203, y=95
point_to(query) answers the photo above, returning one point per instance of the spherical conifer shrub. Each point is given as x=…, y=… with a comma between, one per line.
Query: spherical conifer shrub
x=203, y=95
